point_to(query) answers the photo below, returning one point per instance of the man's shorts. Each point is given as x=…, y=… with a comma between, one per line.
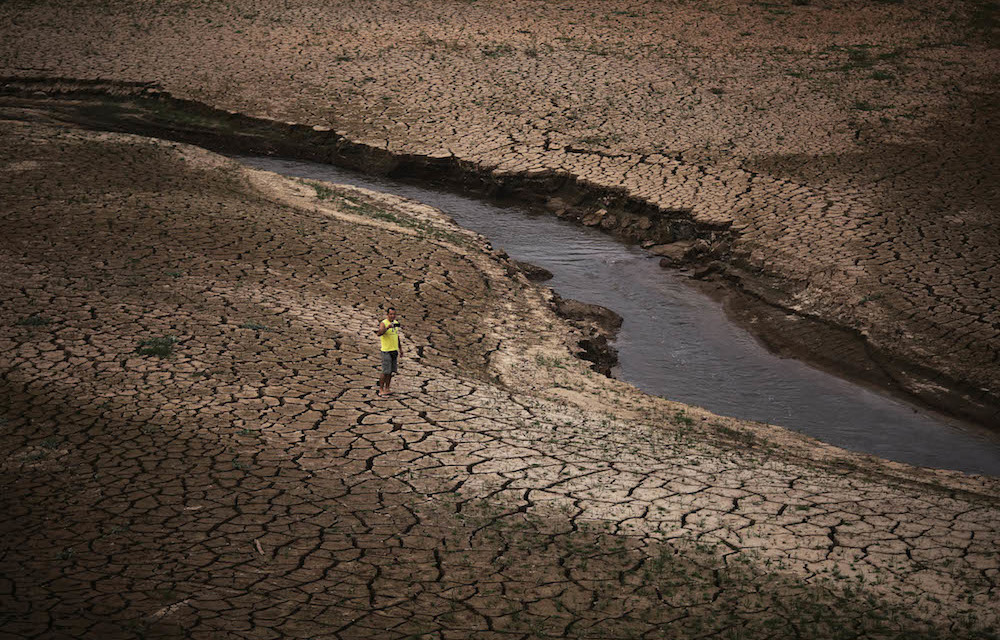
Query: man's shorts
x=389, y=362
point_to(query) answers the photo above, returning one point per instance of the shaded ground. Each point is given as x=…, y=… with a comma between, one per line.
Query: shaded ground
x=191, y=445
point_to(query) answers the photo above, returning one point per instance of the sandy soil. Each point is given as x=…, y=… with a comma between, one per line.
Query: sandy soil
x=850, y=144
x=191, y=446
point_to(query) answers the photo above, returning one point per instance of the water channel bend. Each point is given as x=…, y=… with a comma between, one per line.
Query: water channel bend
x=677, y=343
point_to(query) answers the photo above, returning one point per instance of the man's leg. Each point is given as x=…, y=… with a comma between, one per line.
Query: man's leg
x=389, y=367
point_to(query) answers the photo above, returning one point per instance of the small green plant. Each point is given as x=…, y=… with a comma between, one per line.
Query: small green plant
x=161, y=347
x=256, y=326
x=745, y=438
x=497, y=50
x=173, y=274
x=681, y=417
x=323, y=192
x=33, y=320
x=51, y=442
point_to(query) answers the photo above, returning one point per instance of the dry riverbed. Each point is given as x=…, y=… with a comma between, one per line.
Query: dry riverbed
x=191, y=445
x=847, y=146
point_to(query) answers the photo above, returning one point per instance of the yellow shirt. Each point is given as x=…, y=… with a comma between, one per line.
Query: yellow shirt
x=390, y=339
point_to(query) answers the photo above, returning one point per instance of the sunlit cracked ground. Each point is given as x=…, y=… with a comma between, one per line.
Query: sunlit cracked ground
x=247, y=482
x=850, y=144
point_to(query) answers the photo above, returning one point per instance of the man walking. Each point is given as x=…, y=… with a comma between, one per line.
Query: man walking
x=388, y=331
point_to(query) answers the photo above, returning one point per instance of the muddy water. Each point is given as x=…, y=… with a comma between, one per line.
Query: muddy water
x=677, y=343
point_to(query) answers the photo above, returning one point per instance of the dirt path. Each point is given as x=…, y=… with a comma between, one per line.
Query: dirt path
x=249, y=483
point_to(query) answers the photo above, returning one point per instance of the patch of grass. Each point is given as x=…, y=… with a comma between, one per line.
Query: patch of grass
x=323, y=192
x=863, y=105
x=717, y=91
x=985, y=21
x=33, y=320
x=161, y=347
x=51, y=442
x=683, y=418
x=173, y=274
x=599, y=139
x=497, y=50
x=358, y=206
x=546, y=361
x=256, y=326
x=882, y=75
x=858, y=57
x=740, y=436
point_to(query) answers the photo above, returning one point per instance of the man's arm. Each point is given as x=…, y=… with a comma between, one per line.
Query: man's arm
x=381, y=328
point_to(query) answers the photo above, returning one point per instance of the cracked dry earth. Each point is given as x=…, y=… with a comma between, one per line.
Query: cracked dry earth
x=247, y=482
x=850, y=145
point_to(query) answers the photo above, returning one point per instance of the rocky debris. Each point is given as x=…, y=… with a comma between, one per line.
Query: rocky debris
x=532, y=272
x=673, y=254
x=599, y=325
x=603, y=319
x=602, y=356
x=599, y=217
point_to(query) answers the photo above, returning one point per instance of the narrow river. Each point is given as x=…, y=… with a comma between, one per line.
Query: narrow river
x=677, y=343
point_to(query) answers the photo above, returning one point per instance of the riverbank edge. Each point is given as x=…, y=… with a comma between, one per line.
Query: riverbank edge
x=748, y=294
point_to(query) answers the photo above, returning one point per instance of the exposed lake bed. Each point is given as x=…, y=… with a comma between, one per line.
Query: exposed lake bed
x=244, y=461
x=676, y=342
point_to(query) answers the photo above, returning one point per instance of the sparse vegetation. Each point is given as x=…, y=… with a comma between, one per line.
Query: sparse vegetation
x=160, y=347
x=33, y=320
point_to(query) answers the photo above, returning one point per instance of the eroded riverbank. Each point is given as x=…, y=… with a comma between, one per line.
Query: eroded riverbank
x=847, y=145
x=676, y=344
x=140, y=109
